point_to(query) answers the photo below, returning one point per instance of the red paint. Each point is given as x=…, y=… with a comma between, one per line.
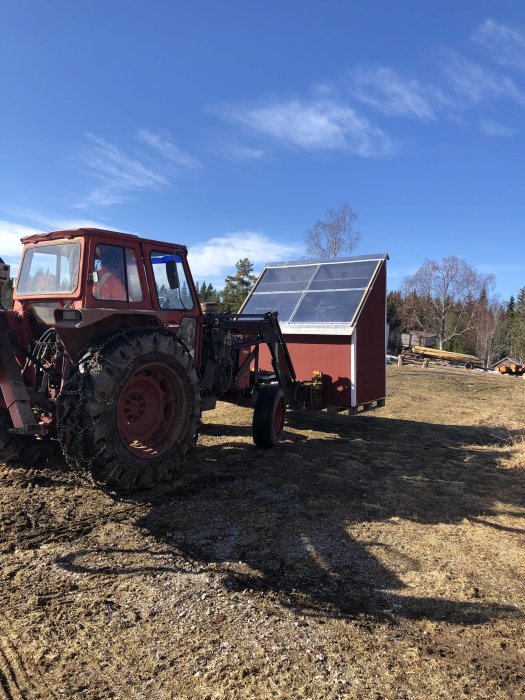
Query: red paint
x=329, y=354
x=370, y=345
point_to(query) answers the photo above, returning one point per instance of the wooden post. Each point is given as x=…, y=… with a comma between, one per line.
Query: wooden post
x=400, y=360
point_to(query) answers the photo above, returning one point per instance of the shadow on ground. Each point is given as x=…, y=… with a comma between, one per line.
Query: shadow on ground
x=278, y=521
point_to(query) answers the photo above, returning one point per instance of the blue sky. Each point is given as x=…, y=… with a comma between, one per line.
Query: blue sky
x=232, y=126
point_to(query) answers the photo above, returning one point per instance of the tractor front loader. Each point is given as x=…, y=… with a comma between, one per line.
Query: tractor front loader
x=106, y=350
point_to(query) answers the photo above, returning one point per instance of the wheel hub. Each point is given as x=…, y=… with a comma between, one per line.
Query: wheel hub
x=134, y=407
x=150, y=410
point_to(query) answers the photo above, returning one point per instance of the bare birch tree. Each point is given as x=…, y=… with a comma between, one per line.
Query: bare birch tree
x=334, y=236
x=445, y=296
x=489, y=321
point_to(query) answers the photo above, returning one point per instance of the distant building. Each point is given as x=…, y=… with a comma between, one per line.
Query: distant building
x=409, y=339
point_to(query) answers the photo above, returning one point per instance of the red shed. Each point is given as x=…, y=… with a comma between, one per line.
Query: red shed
x=333, y=318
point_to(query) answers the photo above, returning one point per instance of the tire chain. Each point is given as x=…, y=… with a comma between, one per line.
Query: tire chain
x=86, y=471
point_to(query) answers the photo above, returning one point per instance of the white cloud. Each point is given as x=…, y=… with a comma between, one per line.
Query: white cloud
x=168, y=149
x=492, y=128
x=506, y=45
x=466, y=84
x=387, y=91
x=321, y=124
x=118, y=173
x=213, y=260
x=10, y=235
x=10, y=244
x=473, y=84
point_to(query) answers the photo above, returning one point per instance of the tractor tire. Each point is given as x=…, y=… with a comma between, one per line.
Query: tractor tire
x=129, y=410
x=268, y=416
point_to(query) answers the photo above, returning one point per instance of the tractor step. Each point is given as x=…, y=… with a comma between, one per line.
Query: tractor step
x=33, y=430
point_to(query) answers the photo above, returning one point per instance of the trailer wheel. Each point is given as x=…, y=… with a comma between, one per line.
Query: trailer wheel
x=129, y=410
x=268, y=416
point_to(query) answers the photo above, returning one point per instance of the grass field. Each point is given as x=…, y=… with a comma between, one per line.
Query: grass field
x=376, y=556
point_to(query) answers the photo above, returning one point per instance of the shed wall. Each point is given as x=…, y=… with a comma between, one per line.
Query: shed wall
x=371, y=344
x=329, y=354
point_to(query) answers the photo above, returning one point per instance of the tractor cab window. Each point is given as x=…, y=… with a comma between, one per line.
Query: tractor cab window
x=50, y=269
x=173, y=290
x=132, y=273
x=116, y=275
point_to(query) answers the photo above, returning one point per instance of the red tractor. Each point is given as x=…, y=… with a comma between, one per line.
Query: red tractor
x=107, y=350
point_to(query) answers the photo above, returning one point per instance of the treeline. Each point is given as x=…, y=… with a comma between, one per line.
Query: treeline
x=236, y=287
x=476, y=325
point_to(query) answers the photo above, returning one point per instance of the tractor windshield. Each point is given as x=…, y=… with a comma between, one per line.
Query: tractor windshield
x=50, y=269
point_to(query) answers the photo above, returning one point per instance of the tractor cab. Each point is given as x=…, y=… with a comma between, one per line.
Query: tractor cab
x=90, y=280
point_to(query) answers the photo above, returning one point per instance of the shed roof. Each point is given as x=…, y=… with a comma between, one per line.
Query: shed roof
x=508, y=359
x=315, y=296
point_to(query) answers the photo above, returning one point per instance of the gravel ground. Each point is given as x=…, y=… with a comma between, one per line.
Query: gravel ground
x=374, y=556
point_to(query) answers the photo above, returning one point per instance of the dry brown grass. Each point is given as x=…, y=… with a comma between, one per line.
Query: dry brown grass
x=376, y=556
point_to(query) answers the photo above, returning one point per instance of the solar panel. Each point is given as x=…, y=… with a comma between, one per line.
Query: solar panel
x=320, y=292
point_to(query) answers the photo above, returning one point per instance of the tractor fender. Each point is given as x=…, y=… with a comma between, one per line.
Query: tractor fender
x=92, y=325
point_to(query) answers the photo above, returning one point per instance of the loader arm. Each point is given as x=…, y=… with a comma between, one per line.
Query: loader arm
x=258, y=329
x=12, y=387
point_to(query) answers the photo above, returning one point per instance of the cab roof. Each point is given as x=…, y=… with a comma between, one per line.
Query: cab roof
x=95, y=232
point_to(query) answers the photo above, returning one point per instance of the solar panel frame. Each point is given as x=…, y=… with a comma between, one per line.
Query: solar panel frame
x=292, y=323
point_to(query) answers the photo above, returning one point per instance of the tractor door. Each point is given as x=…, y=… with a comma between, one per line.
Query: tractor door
x=173, y=294
x=115, y=275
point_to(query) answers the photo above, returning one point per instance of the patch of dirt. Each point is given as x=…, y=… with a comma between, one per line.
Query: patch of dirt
x=372, y=556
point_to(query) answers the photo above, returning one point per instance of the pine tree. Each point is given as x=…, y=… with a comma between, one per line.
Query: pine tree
x=518, y=325
x=394, y=316
x=206, y=292
x=185, y=296
x=237, y=286
x=212, y=294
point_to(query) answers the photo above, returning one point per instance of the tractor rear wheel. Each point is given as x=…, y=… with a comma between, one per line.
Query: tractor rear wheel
x=268, y=416
x=129, y=410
